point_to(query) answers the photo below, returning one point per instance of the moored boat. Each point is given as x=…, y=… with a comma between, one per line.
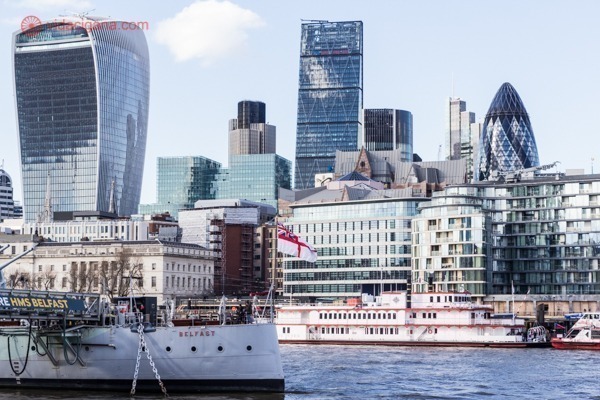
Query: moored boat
x=584, y=335
x=395, y=319
x=80, y=341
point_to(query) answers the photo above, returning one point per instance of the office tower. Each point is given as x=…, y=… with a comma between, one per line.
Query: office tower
x=388, y=129
x=462, y=133
x=82, y=91
x=7, y=205
x=254, y=172
x=254, y=177
x=249, y=134
x=180, y=182
x=330, y=96
x=507, y=142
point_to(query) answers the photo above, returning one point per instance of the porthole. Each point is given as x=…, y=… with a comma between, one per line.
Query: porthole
x=194, y=349
x=32, y=348
x=168, y=349
x=220, y=348
x=87, y=348
x=249, y=348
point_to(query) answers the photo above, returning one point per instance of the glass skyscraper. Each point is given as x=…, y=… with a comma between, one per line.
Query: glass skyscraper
x=507, y=141
x=330, y=96
x=255, y=177
x=388, y=129
x=181, y=181
x=82, y=93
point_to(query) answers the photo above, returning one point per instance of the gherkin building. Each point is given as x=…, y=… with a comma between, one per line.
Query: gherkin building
x=507, y=142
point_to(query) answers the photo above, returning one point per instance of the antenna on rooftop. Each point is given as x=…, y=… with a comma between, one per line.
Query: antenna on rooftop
x=439, y=157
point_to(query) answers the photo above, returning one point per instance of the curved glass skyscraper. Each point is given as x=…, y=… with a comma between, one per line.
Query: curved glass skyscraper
x=82, y=93
x=507, y=141
x=329, y=96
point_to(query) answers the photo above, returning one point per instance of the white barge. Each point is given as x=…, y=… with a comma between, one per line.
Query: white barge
x=397, y=319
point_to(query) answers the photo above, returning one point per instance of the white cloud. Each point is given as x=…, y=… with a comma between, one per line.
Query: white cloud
x=208, y=30
x=68, y=5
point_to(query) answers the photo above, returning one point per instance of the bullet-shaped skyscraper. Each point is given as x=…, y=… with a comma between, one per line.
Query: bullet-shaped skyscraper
x=82, y=93
x=507, y=141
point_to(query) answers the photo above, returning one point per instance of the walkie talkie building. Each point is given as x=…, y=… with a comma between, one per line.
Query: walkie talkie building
x=82, y=94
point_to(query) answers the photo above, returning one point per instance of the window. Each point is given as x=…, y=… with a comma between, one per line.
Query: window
x=39, y=268
x=153, y=266
x=64, y=282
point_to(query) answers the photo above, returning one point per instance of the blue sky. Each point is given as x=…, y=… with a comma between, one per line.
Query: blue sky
x=207, y=55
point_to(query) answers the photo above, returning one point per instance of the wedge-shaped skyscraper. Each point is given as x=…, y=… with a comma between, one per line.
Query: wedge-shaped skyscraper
x=507, y=141
x=82, y=93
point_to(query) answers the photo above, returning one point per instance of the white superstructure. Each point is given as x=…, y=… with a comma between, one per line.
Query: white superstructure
x=439, y=318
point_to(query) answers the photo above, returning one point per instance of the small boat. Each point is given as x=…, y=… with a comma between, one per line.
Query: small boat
x=584, y=335
x=56, y=340
x=396, y=319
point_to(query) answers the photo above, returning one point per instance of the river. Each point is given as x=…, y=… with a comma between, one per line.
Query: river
x=371, y=372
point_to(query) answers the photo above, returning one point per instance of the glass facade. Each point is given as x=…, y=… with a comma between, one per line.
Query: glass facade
x=507, y=142
x=450, y=237
x=181, y=181
x=82, y=106
x=7, y=204
x=388, y=129
x=330, y=96
x=363, y=247
x=543, y=237
x=254, y=177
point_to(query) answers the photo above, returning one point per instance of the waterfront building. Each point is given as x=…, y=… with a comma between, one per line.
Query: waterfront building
x=82, y=93
x=450, y=244
x=330, y=96
x=7, y=204
x=388, y=129
x=362, y=233
x=507, y=142
x=180, y=182
x=249, y=134
x=254, y=177
x=163, y=269
x=538, y=240
x=229, y=228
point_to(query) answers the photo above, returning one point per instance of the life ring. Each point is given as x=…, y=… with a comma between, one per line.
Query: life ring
x=430, y=331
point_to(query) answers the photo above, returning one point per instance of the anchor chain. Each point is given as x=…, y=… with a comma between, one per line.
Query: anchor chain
x=143, y=347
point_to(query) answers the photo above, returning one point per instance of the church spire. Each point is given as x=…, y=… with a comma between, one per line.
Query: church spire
x=112, y=206
x=47, y=214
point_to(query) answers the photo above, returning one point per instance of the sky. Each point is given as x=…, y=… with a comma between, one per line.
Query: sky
x=207, y=55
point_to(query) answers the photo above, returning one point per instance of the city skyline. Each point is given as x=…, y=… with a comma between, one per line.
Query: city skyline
x=407, y=65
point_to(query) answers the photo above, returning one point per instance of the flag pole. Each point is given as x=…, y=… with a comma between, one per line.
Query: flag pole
x=512, y=285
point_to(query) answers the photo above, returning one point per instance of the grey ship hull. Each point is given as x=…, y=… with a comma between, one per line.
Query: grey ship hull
x=212, y=358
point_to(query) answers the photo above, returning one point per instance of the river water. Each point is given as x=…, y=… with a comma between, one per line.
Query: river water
x=371, y=372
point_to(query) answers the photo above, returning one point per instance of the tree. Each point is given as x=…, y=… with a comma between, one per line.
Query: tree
x=115, y=274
